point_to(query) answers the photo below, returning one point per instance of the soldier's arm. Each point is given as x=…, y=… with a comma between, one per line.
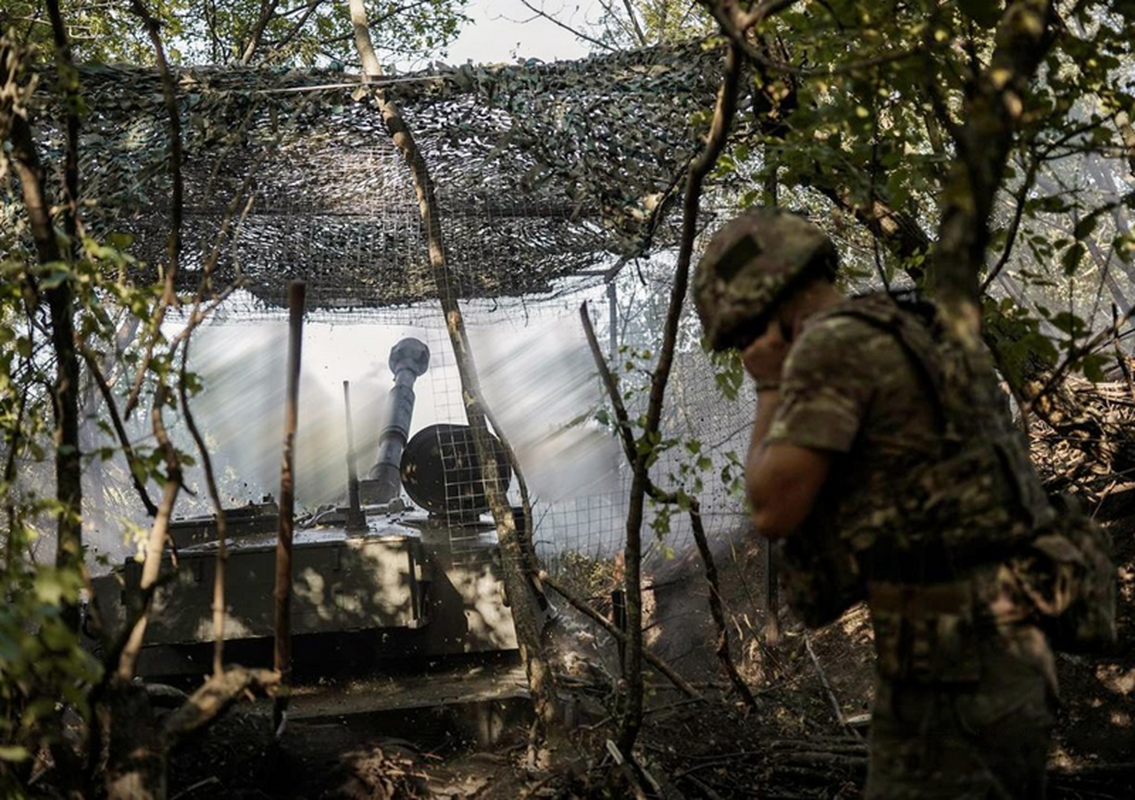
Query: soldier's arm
x=799, y=430
x=781, y=479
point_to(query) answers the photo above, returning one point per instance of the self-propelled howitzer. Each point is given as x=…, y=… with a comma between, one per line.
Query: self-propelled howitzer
x=403, y=580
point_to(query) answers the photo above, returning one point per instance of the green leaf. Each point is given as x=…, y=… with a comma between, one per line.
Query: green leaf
x=1071, y=260
x=1069, y=323
x=1093, y=367
x=13, y=752
x=1085, y=226
x=55, y=277
x=985, y=13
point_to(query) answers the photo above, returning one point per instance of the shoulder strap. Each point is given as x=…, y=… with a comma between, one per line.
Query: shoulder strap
x=915, y=337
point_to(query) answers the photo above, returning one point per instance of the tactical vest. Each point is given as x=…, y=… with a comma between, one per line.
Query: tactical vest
x=979, y=503
x=976, y=501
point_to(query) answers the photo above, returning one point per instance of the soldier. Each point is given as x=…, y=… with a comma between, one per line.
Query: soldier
x=883, y=485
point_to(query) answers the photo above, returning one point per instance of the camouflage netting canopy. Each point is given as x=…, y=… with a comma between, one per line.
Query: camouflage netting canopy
x=542, y=171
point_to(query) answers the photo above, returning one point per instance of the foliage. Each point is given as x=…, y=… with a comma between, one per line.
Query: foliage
x=98, y=31
x=42, y=666
x=643, y=23
x=312, y=32
x=46, y=670
x=864, y=104
x=300, y=33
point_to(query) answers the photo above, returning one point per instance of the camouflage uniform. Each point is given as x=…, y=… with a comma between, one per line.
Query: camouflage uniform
x=965, y=682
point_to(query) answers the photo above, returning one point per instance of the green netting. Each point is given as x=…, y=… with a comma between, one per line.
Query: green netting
x=543, y=172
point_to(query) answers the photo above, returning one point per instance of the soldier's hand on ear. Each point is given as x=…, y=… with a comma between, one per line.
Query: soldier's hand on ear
x=764, y=358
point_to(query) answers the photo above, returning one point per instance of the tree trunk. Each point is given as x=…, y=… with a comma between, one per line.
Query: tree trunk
x=514, y=561
x=136, y=754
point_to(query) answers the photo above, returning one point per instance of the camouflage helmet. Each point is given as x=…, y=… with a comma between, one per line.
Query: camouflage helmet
x=748, y=267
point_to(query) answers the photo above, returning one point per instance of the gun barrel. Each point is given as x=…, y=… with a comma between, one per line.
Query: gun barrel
x=409, y=359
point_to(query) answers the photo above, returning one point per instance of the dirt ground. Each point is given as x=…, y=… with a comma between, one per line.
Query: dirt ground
x=794, y=744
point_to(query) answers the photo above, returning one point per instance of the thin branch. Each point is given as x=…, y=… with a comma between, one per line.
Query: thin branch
x=1014, y=226
x=836, y=709
x=611, y=384
x=539, y=12
x=715, y=606
x=218, y=515
x=630, y=449
x=724, y=111
x=654, y=661
x=132, y=460
x=169, y=296
x=639, y=35
x=155, y=544
x=307, y=10
x=1075, y=354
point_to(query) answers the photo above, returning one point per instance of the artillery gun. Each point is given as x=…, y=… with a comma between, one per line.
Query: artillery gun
x=401, y=579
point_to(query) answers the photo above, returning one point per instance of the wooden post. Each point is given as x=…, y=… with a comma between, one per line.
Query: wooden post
x=619, y=620
x=283, y=593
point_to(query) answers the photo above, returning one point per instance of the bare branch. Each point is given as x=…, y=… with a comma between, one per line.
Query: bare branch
x=724, y=111
x=132, y=461
x=1075, y=354
x=592, y=614
x=630, y=449
x=539, y=12
x=218, y=516
x=639, y=35
x=169, y=297
x=1021, y=195
x=715, y=607
x=155, y=544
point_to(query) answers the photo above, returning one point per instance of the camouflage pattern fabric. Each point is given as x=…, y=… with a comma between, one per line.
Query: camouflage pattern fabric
x=747, y=267
x=988, y=739
x=848, y=388
x=1070, y=577
x=923, y=502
